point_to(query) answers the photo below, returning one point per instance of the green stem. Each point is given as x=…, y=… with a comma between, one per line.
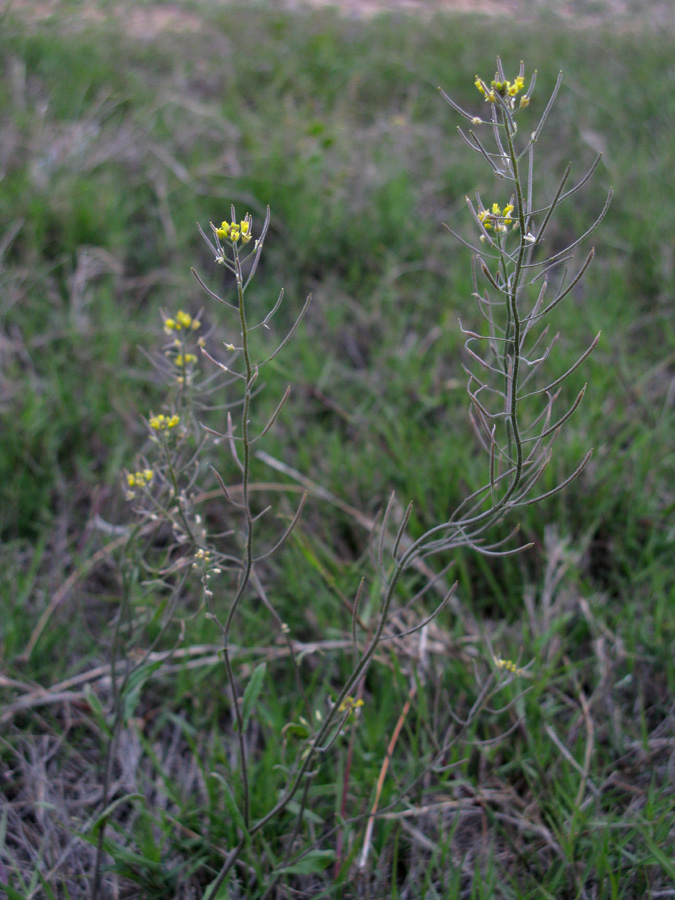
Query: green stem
x=245, y=573
x=513, y=305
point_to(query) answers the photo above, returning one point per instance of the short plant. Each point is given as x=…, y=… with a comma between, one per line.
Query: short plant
x=514, y=407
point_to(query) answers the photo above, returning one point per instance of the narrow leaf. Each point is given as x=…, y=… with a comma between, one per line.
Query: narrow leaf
x=252, y=693
x=314, y=862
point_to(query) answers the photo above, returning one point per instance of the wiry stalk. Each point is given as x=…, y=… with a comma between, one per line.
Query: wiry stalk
x=516, y=433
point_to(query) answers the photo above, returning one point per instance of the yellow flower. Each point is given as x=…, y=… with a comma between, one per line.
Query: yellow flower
x=503, y=89
x=497, y=218
x=349, y=704
x=184, y=319
x=162, y=422
x=509, y=665
x=234, y=231
x=182, y=360
x=139, y=479
x=484, y=217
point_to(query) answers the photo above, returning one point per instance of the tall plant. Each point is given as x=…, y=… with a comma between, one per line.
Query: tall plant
x=514, y=405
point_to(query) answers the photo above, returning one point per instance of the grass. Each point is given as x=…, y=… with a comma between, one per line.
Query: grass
x=337, y=125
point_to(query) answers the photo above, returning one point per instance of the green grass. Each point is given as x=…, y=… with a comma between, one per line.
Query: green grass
x=111, y=152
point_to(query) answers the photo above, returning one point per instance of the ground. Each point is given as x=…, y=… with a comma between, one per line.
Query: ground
x=146, y=20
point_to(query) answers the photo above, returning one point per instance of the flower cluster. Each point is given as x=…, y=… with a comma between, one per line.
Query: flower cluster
x=506, y=90
x=162, y=422
x=508, y=665
x=182, y=324
x=233, y=231
x=203, y=562
x=184, y=359
x=181, y=320
x=497, y=218
x=349, y=705
x=138, y=480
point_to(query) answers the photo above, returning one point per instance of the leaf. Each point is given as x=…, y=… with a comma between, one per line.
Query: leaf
x=252, y=693
x=231, y=803
x=660, y=857
x=313, y=862
x=297, y=729
x=97, y=710
x=222, y=892
x=307, y=815
x=134, y=686
x=111, y=807
x=12, y=894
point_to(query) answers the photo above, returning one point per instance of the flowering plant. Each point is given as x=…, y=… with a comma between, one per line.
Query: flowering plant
x=513, y=406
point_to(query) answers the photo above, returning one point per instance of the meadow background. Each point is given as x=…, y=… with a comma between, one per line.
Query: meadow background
x=115, y=141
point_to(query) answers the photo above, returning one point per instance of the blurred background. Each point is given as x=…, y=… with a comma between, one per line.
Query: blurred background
x=123, y=125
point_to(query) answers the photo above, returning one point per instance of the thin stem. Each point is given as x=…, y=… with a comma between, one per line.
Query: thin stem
x=245, y=572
